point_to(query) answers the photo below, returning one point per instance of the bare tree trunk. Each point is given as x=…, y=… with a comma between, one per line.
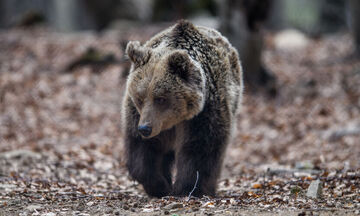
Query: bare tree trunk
x=169, y=10
x=277, y=20
x=242, y=22
x=354, y=9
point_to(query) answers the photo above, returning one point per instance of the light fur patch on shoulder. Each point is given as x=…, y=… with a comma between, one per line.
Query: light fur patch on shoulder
x=203, y=83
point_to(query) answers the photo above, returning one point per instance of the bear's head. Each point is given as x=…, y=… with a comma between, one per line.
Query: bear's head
x=165, y=85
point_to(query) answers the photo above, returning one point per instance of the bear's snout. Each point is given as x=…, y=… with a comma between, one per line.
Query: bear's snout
x=145, y=130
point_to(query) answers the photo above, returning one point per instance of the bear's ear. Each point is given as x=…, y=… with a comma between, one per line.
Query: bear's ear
x=179, y=64
x=138, y=55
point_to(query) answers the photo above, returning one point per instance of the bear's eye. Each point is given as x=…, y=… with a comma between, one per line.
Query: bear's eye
x=160, y=100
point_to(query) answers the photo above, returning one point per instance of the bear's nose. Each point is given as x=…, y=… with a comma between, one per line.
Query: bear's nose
x=145, y=130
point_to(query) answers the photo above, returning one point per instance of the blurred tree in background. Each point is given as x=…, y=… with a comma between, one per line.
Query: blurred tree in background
x=243, y=22
x=354, y=8
x=164, y=10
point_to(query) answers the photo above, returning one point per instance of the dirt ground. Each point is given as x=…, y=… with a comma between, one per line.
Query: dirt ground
x=61, y=147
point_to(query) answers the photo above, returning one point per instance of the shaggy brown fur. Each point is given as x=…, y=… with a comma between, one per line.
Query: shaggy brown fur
x=183, y=94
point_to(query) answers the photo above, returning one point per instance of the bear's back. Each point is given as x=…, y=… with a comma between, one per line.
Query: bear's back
x=167, y=37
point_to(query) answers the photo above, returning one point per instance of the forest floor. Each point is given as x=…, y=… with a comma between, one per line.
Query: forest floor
x=61, y=146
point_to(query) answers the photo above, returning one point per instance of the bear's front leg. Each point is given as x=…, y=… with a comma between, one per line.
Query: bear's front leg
x=202, y=153
x=145, y=158
x=145, y=164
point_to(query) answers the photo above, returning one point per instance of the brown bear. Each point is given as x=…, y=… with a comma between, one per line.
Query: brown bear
x=182, y=96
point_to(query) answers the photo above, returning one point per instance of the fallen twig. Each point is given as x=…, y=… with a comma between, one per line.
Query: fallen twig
x=197, y=179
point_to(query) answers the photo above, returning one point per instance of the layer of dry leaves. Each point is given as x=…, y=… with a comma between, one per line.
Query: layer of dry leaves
x=60, y=143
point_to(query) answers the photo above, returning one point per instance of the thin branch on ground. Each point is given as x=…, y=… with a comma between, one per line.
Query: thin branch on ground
x=197, y=179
